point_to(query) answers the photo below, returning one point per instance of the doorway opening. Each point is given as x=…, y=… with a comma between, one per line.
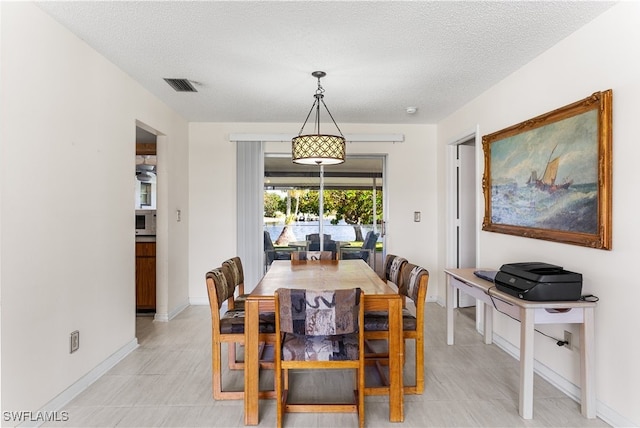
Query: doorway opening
x=463, y=224
x=354, y=202
x=145, y=224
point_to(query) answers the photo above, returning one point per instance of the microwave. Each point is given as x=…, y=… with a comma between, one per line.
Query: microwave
x=145, y=222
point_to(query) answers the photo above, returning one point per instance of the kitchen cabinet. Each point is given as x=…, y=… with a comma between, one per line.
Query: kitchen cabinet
x=145, y=276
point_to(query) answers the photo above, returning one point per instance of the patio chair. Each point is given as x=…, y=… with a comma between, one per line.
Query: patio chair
x=312, y=255
x=271, y=254
x=328, y=245
x=366, y=252
x=316, y=237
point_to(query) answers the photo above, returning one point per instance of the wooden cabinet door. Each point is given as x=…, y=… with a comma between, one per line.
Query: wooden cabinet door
x=145, y=276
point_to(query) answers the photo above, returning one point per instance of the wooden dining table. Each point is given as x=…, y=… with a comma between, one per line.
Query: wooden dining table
x=323, y=274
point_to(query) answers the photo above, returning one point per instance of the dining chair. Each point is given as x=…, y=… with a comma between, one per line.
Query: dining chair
x=318, y=329
x=237, y=272
x=312, y=255
x=235, y=302
x=392, y=267
x=412, y=284
x=376, y=322
x=229, y=329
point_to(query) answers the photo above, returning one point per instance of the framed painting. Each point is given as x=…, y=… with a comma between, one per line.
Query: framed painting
x=550, y=177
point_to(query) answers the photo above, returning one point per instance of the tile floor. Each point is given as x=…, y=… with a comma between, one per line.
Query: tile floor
x=166, y=382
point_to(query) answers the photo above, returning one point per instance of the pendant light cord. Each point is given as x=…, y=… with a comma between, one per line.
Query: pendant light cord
x=319, y=98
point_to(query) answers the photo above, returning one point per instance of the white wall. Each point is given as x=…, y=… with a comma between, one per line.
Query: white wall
x=411, y=180
x=67, y=146
x=69, y=264
x=600, y=56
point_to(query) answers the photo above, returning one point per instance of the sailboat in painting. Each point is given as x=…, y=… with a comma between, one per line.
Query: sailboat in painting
x=548, y=180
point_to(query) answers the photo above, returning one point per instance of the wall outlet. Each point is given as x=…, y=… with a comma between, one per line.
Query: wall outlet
x=75, y=341
x=568, y=339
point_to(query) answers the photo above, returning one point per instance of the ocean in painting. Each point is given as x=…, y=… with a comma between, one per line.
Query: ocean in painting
x=573, y=210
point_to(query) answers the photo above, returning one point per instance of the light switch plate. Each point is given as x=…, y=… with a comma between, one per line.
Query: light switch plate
x=75, y=341
x=416, y=216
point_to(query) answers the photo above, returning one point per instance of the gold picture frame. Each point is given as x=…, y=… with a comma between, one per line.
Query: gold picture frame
x=523, y=164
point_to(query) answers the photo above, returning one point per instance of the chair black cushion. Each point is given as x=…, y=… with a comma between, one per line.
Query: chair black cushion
x=354, y=255
x=232, y=322
x=379, y=320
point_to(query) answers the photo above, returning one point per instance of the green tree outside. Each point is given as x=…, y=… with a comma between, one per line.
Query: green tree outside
x=273, y=204
x=355, y=207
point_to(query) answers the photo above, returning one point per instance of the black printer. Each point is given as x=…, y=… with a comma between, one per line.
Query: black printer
x=539, y=281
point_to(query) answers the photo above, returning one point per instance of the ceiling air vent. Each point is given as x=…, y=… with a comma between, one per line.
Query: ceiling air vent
x=181, y=85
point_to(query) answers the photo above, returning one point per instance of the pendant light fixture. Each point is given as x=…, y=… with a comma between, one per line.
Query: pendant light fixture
x=318, y=149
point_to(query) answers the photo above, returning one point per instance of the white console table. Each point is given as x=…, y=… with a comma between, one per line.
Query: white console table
x=529, y=314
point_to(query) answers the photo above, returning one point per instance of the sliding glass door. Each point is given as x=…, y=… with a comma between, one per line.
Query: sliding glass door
x=353, y=203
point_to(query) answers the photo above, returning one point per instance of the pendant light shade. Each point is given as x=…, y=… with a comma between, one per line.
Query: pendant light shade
x=318, y=148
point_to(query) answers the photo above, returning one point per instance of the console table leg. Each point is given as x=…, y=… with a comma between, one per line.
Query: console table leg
x=450, y=291
x=488, y=322
x=587, y=366
x=526, y=363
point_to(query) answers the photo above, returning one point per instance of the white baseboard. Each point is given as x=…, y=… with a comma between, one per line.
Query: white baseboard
x=171, y=315
x=83, y=383
x=563, y=385
x=612, y=417
x=603, y=411
x=199, y=301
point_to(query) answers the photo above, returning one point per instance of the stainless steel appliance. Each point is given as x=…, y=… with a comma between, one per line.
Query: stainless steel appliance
x=145, y=222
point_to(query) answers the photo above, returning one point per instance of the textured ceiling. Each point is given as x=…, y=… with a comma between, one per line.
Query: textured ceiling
x=251, y=61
